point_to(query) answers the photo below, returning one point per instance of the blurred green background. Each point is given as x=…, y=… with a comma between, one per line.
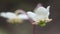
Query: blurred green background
x=26, y=28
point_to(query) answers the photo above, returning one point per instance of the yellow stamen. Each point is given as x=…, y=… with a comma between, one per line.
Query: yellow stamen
x=15, y=20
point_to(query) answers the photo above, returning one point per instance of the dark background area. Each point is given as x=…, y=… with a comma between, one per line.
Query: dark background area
x=26, y=28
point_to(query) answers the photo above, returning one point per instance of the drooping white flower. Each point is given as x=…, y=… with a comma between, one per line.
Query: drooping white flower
x=43, y=13
x=14, y=16
x=40, y=14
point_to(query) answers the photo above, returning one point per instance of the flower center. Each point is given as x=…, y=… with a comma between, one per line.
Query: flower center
x=15, y=20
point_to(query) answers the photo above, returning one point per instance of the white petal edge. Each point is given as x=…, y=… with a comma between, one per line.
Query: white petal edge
x=48, y=8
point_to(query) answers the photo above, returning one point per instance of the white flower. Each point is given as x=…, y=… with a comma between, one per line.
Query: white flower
x=40, y=14
x=14, y=17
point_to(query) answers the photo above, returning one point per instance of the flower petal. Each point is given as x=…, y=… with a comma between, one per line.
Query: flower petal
x=23, y=16
x=41, y=11
x=33, y=16
x=48, y=8
x=8, y=15
x=38, y=5
x=3, y=14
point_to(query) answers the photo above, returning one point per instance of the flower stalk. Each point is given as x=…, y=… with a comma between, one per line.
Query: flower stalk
x=34, y=29
x=33, y=25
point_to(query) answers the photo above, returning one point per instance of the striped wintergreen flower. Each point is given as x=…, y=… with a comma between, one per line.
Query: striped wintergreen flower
x=40, y=15
x=14, y=17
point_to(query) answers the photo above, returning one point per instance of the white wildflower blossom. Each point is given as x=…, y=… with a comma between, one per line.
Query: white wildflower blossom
x=14, y=17
x=40, y=14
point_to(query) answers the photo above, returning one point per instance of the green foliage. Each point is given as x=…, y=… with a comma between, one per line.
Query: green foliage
x=2, y=31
